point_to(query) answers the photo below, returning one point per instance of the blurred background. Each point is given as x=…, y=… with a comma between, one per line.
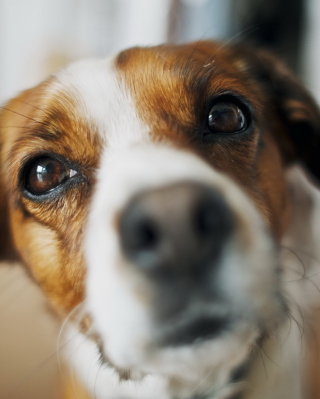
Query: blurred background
x=37, y=37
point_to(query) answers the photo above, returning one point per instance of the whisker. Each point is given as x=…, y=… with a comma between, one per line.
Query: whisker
x=12, y=393
x=73, y=378
x=304, y=252
x=24, y=116
x=310, y=256
x=288, y=315
x=304, y=275
x=67, y=319
x=74, y=387
x=94, y=361
x=195, y=48
x=268, y=357
x=31, y=105
x=263, y=363
x=300, y=326
x=232, y=39
x=164, y=58
x=15, y=127
x=202, y=380
x=95, y=381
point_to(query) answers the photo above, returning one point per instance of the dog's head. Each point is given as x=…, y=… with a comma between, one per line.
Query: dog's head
x=152, y=185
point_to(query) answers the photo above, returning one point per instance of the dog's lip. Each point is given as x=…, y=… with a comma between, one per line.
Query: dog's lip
x=196, y=332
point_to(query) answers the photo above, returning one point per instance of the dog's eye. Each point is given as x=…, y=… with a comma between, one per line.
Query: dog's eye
x=44, y=174
x=226, y=117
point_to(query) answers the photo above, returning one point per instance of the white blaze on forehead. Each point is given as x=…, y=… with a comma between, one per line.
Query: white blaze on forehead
x=103, y=100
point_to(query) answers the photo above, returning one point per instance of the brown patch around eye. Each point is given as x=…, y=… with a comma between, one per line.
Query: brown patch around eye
x=45, y=174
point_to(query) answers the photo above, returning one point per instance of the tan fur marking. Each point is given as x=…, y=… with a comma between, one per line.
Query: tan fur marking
x=46, y=120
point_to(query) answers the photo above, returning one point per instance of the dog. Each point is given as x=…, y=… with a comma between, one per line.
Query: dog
x=156, y=199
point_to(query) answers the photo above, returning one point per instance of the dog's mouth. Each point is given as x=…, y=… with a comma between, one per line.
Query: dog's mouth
x=197, y=332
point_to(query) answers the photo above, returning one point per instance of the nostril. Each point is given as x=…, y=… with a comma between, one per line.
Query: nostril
x=139, y=235
x=211, y=217
x=205, y=220
x=174, y=229
x=144, y=235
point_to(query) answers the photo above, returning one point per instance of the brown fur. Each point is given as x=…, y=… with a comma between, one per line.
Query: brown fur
x=51, y=247
x=173, y=85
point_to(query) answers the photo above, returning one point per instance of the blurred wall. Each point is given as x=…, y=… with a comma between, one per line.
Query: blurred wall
x=290, y=28
x=39, y=36
x=29, y=359
x=310, y=55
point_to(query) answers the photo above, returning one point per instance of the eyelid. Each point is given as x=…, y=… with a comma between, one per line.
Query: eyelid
x=231, y=97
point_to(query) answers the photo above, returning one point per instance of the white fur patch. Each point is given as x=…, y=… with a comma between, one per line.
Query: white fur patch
x=114, y=289
x=101, y=98
x=102, y=381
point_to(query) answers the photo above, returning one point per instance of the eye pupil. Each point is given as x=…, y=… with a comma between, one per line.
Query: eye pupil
x=44, y=174
x=226, y=118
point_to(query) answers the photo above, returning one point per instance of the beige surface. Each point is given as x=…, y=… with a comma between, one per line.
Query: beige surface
x=28, y=340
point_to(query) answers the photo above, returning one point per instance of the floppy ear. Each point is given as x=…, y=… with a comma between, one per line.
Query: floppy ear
x=14, y=116
x=6, y=247
x=5, y=242
x=297, y=110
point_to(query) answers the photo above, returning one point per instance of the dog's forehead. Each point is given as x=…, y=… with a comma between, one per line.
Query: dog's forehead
x=102, y=99
x=147, y=90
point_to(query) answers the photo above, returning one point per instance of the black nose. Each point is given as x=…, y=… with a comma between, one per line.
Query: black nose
x=181, y=228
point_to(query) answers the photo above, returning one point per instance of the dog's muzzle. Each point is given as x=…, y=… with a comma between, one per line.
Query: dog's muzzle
x=182, y=273
x=175, y=236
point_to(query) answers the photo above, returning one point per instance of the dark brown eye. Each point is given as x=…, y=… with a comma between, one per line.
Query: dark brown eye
x=44, y=174
x=225, y=117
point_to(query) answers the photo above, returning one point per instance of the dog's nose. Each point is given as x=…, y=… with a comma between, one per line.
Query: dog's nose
x=181, y=228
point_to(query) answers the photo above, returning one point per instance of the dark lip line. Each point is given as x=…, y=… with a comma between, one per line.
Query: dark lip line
x=197, y=332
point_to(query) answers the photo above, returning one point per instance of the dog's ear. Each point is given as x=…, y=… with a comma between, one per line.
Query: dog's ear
x=14, y=118
x=298, y=112
x=6, y=246
x=6, y=250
